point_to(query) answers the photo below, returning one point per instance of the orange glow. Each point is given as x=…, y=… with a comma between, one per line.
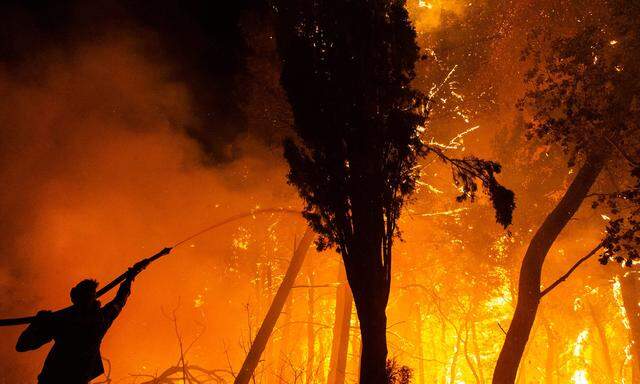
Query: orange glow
x=100, y=173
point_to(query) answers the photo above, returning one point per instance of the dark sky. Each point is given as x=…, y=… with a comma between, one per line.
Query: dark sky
x=201, y=40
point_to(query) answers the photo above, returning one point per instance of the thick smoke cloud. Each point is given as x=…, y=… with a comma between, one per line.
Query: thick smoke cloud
x=202, y=41
x=99, y=168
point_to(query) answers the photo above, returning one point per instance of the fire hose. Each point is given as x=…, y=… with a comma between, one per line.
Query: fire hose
x=105, y=289
x=144, y=262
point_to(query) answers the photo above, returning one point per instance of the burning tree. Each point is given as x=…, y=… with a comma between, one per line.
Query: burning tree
x=347, y=69
x=584, y=94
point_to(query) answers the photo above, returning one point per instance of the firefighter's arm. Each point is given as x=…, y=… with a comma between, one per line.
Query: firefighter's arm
x=114, y=307
x=37, y=334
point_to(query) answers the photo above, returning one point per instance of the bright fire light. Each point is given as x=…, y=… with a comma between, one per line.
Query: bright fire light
x=580, y=377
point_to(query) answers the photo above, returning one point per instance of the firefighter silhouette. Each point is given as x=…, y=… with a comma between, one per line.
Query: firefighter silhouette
x=77, y=332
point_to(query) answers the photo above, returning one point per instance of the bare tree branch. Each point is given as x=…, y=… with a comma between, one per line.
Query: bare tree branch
x=570, y=271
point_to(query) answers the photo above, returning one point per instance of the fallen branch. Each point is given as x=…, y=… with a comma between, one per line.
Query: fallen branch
x=266, y=328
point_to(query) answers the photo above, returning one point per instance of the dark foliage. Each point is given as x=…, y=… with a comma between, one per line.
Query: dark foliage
x=356, y=115
x=585, y=99
x=398, y=374
x=466, y=174
x=622, y=238
x=573, y=94
x=347, y=69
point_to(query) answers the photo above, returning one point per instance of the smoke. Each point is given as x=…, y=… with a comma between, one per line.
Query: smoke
x=97, y=172
x=203, y=42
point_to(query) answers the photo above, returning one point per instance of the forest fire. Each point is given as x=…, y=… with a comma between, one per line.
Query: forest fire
x=384, y=246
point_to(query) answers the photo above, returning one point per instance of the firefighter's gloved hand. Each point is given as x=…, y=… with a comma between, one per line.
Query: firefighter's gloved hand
x=43, y=314
x=140, y=265
x=132, y=273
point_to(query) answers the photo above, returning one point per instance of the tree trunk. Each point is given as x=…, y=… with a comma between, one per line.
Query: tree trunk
x=262, y=337
x=368, y=269
x=311, y=332
x=321, y=373
x=443, y=347
x=602, y=335
x=373, y=330
x=467, y=357
x=521, y=375
x=285, y=339
x=356, y=349
x=476, y=351
x=341, y=328
x=629, y=285
x=531, y=270
x=420, y=344
x=433, y=375
x=550, y=366
x=453, y=372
